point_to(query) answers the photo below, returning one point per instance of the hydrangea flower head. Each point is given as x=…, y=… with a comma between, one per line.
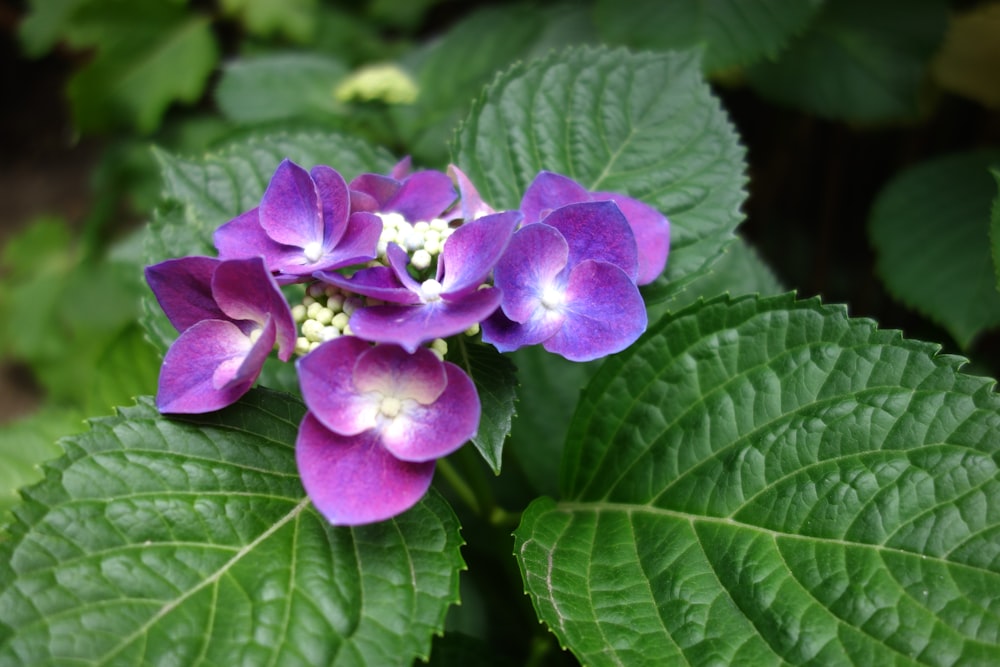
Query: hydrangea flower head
x=378, y=418
x=304, y=224
x=230, y=314
x=568, y=283
x=650, y=228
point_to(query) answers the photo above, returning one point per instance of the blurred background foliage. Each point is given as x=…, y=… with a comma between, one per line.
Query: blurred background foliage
x=870, y=129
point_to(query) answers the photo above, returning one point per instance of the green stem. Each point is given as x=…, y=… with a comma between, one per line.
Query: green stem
x=455, y=481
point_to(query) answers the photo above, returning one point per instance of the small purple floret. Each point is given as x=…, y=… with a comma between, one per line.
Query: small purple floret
x=304, y=224
x=378, y=418
x=650, y=228
x=570, y=285
x=230, y=314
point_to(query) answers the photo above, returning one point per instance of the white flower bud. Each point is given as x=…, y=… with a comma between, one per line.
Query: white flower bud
x=298, y=313
x=421, y=259
x=340, y=320
x=323, y=316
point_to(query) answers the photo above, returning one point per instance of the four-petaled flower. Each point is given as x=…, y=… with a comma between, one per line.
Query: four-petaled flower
x=304, y=224
x=378, y=418
x=650, y=228
x=569, y=284
x=230, y=314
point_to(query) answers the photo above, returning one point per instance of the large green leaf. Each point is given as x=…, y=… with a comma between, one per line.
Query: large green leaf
x=160, y=541
x=646, y=125
x=279, y=86
x=930, y=228
x=858, y=60
x=26, y=443
x=149, y=53
x=767, y=481
x=451, y=71
x=734, y=32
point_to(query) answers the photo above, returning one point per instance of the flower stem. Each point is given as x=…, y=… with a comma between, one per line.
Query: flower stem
x=458, y=485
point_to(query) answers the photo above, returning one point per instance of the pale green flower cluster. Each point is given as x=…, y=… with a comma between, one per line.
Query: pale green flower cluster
x=422, y=240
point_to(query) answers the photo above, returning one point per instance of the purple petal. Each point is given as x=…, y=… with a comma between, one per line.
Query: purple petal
x=472, y=205
x=424, y=195
x=291, y=212
x=604, y=313
x=394, y=372
x=534, y=260
x=245, y=290
x=652, y=234
x=402, y=168
x=358, y=244
x=209, y=367
x=326, y=376
x=428, y=432
x=377, y=282
x=597, y=231
x=411, y=326
x=183, y=288
x=398, y=261
x=470, y=253
x=371, y=192
x=354, y=480
x=335, y=202
x=549, y=191
x=506, y=335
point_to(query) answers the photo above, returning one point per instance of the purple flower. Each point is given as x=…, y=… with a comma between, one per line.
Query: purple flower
x=651, y=229
x=230, y=314
x=417, y=196
x=304, y=224
x=569, y=284
x=378, y=418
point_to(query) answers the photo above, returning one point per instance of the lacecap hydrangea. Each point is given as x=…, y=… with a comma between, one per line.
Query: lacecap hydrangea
x=386, y=268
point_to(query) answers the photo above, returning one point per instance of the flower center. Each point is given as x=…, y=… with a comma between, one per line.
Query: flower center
x=552, y=298
x=430, y=290
x=313, y=251
x=390, y=406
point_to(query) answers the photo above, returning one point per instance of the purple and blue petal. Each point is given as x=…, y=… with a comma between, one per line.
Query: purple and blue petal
x=472, y=251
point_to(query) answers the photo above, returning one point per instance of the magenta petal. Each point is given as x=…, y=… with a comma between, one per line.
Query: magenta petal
x=537, y=254
x=354, y=480
x=335, y=202
x=183, y=288
x=326, y=376
x=245, y=290
x=290, y=211
x=550, y=191
x=201, y=371
x=402, y=169
x=392, y=371
x=604, y=313
x=652, y=234
x=398, y=261
x=427, y=432
x=424, y=195
x=597, y=231
x=472, y=205
x=470, y=253
x=377, y=282
x=411, y=326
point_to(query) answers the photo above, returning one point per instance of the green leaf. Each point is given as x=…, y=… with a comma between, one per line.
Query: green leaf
x=930, y=228
x=45, y=23
x=495, y=378
x=161, y=541
x=279, y=86
x=646, y=125
x=995, y=228
x=770, y=481
x=149, y=54
x=291, y=18
x=858, y=60
x=734, y=32
x=452, y=70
